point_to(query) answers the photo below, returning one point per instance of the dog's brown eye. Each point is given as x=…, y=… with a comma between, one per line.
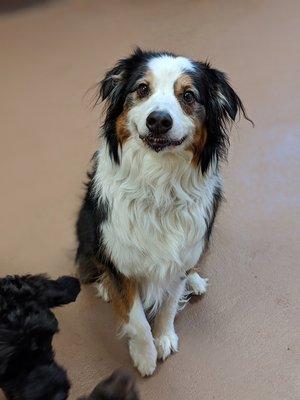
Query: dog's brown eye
x=143, y=90
x=189, y=97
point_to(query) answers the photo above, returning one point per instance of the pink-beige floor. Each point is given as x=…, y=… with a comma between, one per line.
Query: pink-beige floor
x=241, y=341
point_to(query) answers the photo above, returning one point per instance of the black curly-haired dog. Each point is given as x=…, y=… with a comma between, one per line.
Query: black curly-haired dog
x=28, y=370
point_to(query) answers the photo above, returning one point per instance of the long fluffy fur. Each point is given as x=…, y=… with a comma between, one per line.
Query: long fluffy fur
x=148, y=216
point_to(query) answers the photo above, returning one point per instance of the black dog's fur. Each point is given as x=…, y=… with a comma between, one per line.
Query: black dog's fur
x=28, y=370
x=119, y=386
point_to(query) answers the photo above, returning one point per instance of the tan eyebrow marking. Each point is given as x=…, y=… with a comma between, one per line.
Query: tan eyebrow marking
x=148, y=78
x=183, y=83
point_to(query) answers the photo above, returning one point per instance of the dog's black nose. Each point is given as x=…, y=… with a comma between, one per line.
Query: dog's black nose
x=159, y=122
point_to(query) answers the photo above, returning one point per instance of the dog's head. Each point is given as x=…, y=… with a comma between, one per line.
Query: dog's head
x=18, y=291
x=119, y=386
x=169, y=104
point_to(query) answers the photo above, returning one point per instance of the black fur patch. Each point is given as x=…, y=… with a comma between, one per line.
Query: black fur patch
x=210, y=219
x=28, y=370
x=92, y=257
x=119, y=386
x=88, y=228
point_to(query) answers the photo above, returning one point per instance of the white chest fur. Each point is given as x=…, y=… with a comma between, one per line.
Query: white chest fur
x=159, y=206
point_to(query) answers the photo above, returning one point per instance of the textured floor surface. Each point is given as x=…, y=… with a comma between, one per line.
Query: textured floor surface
x=241, y=341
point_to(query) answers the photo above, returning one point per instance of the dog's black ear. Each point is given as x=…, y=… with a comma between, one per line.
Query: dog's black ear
x=112, y=87
x=112, y=84
x=225, y=103
x=112, y=90
x=222, y=107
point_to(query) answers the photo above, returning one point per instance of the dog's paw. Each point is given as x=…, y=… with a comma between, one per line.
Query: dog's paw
x=166, y=344
x=102, y=292
x=196, y=284
x=144, y=356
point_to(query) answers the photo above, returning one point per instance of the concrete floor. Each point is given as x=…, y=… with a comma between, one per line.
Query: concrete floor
x=241, y=341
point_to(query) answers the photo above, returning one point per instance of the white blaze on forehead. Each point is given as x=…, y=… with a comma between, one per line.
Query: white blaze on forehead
x=164, y=72
x=167, y=69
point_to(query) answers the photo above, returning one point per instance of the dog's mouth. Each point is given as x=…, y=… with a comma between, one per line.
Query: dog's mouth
x=157, y=143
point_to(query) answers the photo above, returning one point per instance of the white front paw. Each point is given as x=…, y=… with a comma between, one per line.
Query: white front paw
x=196, y=284
x=165, y=344
x=144, y=356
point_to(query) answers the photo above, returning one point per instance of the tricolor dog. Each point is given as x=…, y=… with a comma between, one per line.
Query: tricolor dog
x=153, y=192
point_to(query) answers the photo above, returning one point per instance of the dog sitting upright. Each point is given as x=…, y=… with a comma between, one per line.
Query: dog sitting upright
x=154, y=190
x=28, y=370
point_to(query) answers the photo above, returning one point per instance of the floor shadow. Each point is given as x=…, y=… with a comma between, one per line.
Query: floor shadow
x=9, y=6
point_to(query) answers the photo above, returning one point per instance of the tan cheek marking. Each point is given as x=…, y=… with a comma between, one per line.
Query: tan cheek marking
x=121, y=297
x=121, y=127
x=198, y=143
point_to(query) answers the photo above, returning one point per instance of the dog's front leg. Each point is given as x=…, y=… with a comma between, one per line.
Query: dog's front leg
x=141, y=344
x=166, y=339
x=128, y=304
